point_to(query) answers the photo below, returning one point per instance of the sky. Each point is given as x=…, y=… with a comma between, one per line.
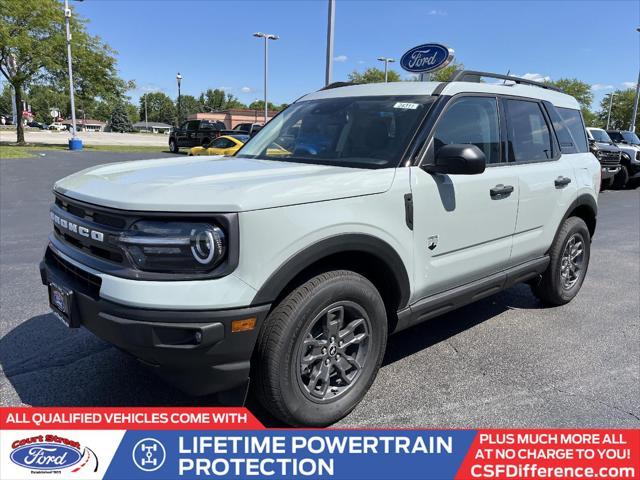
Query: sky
x=211, y=44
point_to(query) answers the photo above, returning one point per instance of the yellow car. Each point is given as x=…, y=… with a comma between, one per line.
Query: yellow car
x=224, y=145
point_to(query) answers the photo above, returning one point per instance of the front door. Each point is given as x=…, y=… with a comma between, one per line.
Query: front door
x=463, y=224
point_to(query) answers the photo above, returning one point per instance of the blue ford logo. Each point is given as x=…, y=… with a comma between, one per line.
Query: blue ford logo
x=45, y=456
x=426, y=58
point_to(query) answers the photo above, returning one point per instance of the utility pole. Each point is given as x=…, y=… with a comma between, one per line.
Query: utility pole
x=610, y=105
x=67, y=18
x=179, y=80
x=267, y=37
x=146, y=124
x=386, y=61
x=632, y=127
x=330, y=26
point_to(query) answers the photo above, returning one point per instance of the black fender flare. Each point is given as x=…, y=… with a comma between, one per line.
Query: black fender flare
x=352, y=242
x=582, y=200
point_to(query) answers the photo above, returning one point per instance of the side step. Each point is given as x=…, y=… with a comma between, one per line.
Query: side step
x=449, y=300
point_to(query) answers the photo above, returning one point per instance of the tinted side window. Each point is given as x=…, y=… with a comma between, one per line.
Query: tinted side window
x=193, y=125
x=567, y=145
x=219, y=143
x=529, y=138
x=615, y=136
x=573, y=121
x=471, y=120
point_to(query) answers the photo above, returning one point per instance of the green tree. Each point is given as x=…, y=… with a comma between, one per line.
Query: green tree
x=259, y=105
x=119, y=120
x=621, y=110
x=5, y=100
x=445, y=74
x=160, y=108
x=581, y=91
x=373, y=75
x=43, y=99
x=213, y=99
x=189, y=105
x=33, y=48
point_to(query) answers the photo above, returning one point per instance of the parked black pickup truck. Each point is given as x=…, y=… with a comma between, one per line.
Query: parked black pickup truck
x=194, y=133
x=607, y=153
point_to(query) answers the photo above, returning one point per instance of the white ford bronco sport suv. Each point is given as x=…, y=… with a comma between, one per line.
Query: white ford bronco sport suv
x=356, y=212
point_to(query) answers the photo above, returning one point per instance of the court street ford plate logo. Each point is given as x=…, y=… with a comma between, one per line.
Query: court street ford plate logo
x=46, y=456
x=51, y=453
x=426, y=58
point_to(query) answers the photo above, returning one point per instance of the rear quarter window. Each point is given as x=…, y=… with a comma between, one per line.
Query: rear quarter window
x=573, y=121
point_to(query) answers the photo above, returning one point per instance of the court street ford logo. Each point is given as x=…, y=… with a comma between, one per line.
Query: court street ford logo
x=426, y=58
x=45, y=456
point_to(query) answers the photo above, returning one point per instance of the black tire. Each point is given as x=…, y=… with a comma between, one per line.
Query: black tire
x=279, y=375
x=557, y=286
x=604, y=184
x=621, y=178
x=173, y=146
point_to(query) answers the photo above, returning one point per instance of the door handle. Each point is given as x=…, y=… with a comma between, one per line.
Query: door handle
x=562, y=181
x=501, y=191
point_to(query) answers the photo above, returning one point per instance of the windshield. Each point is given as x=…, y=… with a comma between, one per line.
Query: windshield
x=363, y=132
x=600, y=136
x=631, y=138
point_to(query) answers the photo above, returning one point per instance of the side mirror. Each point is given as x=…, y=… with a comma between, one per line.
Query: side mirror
x=205, y=145
x=460, y=159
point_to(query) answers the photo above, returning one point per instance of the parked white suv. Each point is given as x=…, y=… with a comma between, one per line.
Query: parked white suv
x=356, y=212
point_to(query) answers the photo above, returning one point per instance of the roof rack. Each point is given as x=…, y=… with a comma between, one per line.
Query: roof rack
x=338, y=85
x=474, y=76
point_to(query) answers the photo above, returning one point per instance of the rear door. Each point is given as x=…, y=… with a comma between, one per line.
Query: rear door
x=181, y=135
x=463, y=224
x=546, y=177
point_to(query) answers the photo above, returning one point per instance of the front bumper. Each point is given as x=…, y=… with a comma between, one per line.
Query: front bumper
x=195, y=350
x=609, y=172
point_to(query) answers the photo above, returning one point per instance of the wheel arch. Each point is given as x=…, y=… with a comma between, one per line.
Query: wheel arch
x=586, y=208
x=367, y=255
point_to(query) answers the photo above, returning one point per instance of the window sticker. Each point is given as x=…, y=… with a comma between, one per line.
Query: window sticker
x=406, y=105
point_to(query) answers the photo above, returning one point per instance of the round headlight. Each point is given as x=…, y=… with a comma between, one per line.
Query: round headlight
x=207, y=244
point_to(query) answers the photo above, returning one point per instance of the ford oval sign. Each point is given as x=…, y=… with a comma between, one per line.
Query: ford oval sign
x=426, y=58
x=46, y=456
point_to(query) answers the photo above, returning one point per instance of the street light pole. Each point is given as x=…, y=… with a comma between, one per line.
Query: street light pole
x=146, y=123
x=635, y=102
x=386, y=61
x=67, y=18
x=330, y=23
x=267, y=37
x=610, y=105
x=179, y=80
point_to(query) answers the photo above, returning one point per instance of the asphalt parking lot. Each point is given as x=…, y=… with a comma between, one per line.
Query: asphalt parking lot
x=502, y=362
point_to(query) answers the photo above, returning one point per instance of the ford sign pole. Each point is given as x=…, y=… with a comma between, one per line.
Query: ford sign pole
x=330, y=22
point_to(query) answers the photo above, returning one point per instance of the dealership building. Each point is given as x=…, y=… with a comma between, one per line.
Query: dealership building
x=233, y=116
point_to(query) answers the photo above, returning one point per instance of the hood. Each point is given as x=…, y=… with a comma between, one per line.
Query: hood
x=630, y=150
x=607, y=147
x=218, y=184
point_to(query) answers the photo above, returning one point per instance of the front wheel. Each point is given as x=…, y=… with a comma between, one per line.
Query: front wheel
x=621, y=178
x=569, y=260
x=320, y=349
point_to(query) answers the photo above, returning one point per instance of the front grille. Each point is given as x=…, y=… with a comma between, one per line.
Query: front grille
x=94, y=218
x=87, y=280
x=610, y=158
x=91, y=214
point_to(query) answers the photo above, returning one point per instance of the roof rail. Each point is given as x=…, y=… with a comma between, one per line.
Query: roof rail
x=338, y=85
x=474, y=76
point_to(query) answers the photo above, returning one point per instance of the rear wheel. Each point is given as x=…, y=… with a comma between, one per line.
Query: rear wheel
x=173, y=146
x=569, y=260
x=621, y=178
x=320, y=349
